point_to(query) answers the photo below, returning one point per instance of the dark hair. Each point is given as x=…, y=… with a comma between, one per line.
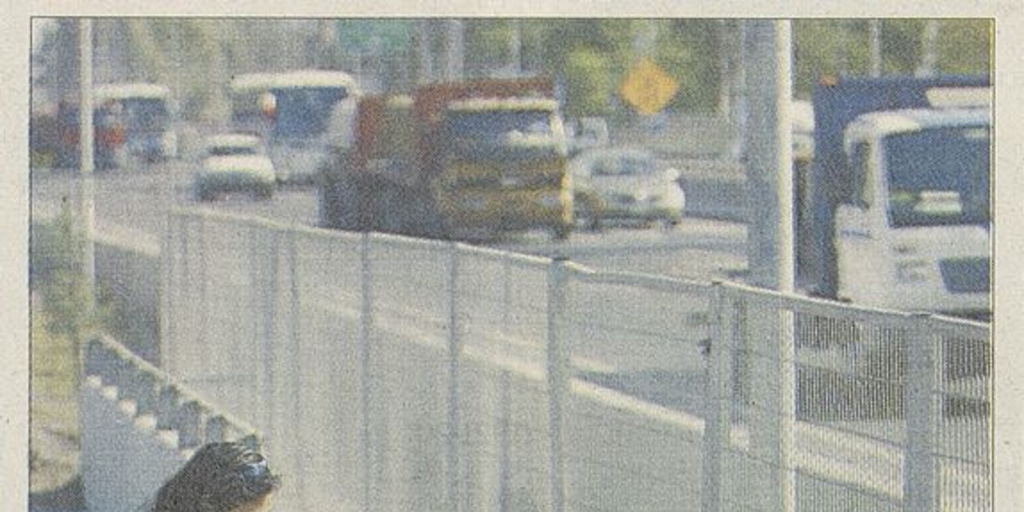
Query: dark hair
x=218, y=478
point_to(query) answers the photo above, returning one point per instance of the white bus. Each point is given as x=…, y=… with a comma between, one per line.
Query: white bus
x=145, y=112
x=292, y=112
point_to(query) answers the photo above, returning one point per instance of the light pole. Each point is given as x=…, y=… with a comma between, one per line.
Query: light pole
x=875, y=26
x=86, y=161
x=770, y=256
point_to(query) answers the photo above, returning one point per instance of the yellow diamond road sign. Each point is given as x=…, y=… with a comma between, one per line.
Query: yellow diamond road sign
x=647, y=88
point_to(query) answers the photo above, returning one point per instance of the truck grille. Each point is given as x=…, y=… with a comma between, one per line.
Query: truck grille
x=965, y=275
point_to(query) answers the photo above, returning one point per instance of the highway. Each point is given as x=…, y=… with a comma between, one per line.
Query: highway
x=134, y=203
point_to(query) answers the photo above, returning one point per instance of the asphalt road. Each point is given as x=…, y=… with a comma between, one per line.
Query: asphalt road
x=133, y=203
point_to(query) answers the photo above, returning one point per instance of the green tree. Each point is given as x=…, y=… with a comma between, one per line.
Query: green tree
x=965, y=46
x=587, y=83
x=64, y=287
x=488, y=45
x=688, y=51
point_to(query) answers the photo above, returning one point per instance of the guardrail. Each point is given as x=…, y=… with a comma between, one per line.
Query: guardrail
x=139, y=426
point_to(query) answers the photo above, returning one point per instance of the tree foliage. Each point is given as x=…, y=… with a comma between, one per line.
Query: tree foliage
x=587, y=83
x=58, y=256
x=581, y=53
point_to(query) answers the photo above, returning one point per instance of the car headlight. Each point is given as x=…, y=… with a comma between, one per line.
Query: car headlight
x=912, y=271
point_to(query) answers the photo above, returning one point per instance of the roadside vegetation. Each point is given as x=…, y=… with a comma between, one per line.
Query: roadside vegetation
x=63, y=315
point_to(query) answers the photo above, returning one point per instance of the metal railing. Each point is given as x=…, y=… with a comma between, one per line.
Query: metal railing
x=431, y=375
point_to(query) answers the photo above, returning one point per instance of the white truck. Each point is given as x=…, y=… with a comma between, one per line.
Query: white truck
x=897, y=200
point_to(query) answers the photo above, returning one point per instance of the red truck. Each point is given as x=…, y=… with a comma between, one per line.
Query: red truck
x=453, y=160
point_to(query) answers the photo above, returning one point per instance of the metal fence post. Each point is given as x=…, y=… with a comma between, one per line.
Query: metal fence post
x=366, y=363
x=920, y=489
x=167, y=261
x=557, y=379
x=786, y=411
x=717, y=400
x=772, y=383
x=201, y=252
x=505, y=396
x=454, y=496
x=264, y=299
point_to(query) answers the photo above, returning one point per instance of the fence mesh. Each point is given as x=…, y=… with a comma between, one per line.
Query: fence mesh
x=446, y=377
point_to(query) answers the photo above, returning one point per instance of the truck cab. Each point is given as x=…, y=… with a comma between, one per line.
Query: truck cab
x=504, y=165
x=914, y=231
x=895, y=205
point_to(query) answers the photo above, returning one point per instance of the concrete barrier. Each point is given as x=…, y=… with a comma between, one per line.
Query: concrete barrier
x=139, y=427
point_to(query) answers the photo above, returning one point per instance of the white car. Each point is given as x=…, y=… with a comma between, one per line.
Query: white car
x=625, y=184
x=235, y=162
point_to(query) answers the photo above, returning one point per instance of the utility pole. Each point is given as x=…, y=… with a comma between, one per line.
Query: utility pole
x=768, y=63
x=770, y=257
x=86, y=159
x=454, y=50
x=929, y=52
x=516, y=48
x=875, y=27
x=426, y=71
x=732, y=103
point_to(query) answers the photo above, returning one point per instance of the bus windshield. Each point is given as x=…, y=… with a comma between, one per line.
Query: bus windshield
x=303, y=112
x=939, y=176
x=144, y=115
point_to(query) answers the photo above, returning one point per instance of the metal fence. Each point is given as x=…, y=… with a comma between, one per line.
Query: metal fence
x=388, y=373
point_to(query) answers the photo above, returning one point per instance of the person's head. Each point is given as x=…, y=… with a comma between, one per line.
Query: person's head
x=220, y=477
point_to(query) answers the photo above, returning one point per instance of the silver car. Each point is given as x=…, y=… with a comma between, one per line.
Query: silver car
x=625, y=184
x=234, y=162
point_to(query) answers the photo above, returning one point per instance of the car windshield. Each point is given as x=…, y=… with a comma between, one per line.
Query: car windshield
x=501, y=133
x=939, y=176
x=623, y=165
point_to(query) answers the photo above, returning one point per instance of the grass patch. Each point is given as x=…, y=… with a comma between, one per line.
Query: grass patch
x=53, y=403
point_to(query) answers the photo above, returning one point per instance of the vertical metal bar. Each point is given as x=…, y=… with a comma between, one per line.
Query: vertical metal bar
x=920, y=490
x=294, y=340
x=505, y=393
x=454, y=349
x=786, y=407
x=167, y=260
x=366, y=328
x=717, y=400
x=772, y=381
x=557, y=379
x=202, y=253
x=266, y=291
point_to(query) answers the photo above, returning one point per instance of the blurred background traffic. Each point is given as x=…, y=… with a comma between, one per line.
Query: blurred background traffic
x=552, y=137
